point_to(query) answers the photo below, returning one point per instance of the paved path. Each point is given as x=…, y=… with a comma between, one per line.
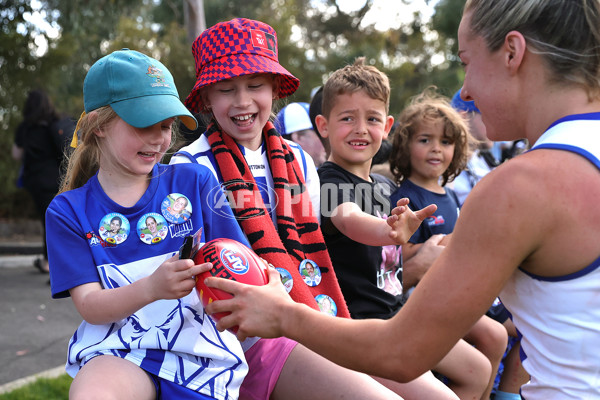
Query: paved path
x=34, y=328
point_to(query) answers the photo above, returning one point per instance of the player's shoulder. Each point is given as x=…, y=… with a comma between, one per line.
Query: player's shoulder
x=516, y=185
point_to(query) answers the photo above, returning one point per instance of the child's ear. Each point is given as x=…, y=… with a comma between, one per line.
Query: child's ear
x=276, y=86
x=92, y=118
x=321, y=123
x=388, y=125
x=205, y=102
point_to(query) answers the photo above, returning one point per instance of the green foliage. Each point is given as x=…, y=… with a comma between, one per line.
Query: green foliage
x=316, y=37
x=42, y=389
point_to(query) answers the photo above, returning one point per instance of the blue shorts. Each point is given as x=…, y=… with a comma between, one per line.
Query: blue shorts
x=170, y=390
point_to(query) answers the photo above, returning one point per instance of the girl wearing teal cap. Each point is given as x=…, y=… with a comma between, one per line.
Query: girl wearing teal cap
x=145, y=334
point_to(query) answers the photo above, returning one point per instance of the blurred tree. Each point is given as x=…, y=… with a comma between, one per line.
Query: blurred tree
x=195, y=21
x=19, y=71
x=445, y=22
x=316, y=37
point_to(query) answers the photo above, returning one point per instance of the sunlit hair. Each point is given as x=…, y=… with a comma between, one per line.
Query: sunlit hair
x=566, y=33
x=430, y=107
x=353, y=78
x=84, y=161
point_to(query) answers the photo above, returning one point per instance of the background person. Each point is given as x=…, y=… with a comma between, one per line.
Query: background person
x=41, y=141
x=293, y=122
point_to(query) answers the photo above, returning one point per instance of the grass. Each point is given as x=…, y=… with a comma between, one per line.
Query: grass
x=42, y=389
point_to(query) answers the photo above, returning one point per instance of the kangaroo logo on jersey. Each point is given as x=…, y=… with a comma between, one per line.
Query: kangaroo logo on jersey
x=234, y=261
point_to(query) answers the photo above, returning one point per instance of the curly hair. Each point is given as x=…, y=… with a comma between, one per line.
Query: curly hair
x=429, y=106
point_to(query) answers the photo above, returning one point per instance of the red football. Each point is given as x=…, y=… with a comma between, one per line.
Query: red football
x=231, y=260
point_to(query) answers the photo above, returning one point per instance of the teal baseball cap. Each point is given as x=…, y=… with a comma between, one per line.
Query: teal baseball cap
x=139, y=89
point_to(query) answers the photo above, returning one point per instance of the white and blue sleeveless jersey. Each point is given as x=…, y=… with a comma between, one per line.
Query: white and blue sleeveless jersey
x=558, y=318
x=173, y=339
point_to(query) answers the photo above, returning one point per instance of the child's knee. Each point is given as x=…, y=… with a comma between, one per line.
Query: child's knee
x=491, y=338
x=498, y=339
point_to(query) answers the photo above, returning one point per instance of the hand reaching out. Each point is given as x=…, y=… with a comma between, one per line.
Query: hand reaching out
x=404, y=222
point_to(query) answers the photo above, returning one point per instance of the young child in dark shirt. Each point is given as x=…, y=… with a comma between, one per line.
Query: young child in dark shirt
x=354, y=204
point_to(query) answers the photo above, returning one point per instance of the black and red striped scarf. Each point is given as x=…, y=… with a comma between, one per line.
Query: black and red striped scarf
x=298, y=235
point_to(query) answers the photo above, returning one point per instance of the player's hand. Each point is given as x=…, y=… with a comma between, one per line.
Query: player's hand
x=255, y=310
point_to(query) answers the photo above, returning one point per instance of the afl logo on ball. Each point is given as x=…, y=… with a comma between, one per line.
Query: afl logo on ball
x=234, y=261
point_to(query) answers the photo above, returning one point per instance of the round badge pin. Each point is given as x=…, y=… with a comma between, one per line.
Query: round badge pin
x=114, y=228
x=310, y=271
x=152, y=228
x=176, y=208
x=326, y=304
x=286, y=279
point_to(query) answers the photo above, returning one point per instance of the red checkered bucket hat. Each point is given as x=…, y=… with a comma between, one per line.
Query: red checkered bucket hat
x=236, y=48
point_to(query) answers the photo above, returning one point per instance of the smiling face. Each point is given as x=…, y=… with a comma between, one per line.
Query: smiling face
x=115, y=226
x=180, y=204
x=356, y=126
x=151, y=225
x=132, y=152
x=242, y=106
x=431, y=153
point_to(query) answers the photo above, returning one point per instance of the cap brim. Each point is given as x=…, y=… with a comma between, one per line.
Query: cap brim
x=235, y=65
x=145, y=111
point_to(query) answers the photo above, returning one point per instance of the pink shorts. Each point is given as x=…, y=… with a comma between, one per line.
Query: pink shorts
x=265, y=362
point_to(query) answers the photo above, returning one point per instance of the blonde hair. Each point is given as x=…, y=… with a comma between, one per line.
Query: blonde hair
x=84, y=160
x=566, y=33
x=429, y=106
x=353, y=78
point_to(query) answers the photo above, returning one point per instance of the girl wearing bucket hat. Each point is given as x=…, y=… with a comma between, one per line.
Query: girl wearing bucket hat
x=145, y=334
x=273, y=188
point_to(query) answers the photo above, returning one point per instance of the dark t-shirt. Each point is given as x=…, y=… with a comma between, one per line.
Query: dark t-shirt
x=362, y=277
x=444, y=218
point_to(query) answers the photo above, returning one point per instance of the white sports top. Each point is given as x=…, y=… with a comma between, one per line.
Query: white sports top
x=559, y=317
